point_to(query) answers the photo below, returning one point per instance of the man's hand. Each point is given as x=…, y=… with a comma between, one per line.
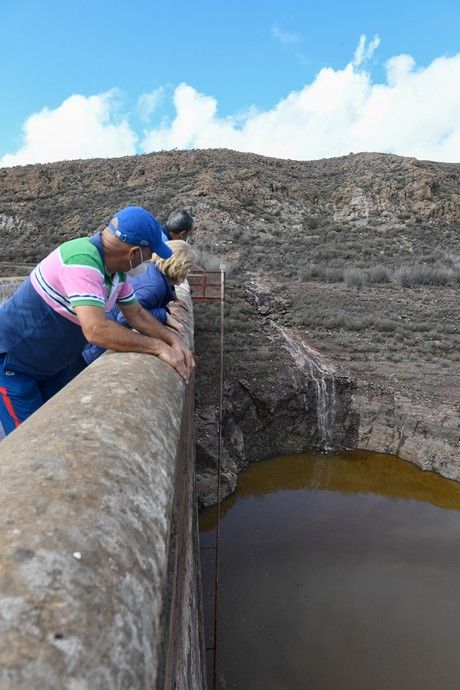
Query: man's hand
x=178, y=344
x=176, y=360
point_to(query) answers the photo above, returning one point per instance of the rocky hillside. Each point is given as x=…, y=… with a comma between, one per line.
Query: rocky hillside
x=356, y=259
x=396, y=205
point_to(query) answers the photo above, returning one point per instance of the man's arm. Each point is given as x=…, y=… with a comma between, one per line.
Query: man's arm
x=100, y=330
x=140, y=319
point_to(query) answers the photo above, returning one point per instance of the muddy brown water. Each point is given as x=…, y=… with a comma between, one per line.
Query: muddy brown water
x=338, y=572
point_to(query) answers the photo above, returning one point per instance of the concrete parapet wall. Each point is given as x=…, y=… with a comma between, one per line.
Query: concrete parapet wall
x=99, y=575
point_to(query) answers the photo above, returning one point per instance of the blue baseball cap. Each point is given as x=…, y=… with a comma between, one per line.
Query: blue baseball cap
x=138, y=227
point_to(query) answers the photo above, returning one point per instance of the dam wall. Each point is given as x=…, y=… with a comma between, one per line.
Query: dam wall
x=99, y=569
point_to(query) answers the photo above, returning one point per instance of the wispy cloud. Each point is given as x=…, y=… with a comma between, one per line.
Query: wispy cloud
x=284, y=37
x=147, y=103
x=364, y=51
x=413, y=111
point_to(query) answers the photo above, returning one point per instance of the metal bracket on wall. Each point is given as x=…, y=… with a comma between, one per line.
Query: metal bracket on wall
x=209, y=286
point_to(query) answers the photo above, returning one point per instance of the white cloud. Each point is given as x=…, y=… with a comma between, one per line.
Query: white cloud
x=196, y=121
x=147, y=103
x=413, y=111
x=81, y=127
x=284, y=37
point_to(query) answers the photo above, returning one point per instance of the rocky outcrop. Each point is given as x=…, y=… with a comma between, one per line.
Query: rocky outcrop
x=404, y=189
x=297, y=408
x=390, y=422
x=264, y=419
x=207, y=445
x=352, y=204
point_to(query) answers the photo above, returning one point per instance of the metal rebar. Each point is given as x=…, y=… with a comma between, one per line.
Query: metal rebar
x=219, y=462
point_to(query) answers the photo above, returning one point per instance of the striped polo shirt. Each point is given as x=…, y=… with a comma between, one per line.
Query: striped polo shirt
x=39, y=328
x=74, y=276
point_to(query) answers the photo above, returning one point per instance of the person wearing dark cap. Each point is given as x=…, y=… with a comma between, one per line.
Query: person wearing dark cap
x=179, y=226
x=45, y=324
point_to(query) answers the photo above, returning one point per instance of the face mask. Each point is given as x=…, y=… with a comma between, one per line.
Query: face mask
x=138, y=270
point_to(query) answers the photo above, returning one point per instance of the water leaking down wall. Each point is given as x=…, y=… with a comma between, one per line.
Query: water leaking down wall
x=99, y=576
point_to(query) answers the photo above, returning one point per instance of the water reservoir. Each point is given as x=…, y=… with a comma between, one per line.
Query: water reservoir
x=337, y=572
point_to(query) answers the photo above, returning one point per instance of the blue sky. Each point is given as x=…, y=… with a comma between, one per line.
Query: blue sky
x=235, y=63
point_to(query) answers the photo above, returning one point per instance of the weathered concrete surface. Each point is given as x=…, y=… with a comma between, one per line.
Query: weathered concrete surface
x=99, y=578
